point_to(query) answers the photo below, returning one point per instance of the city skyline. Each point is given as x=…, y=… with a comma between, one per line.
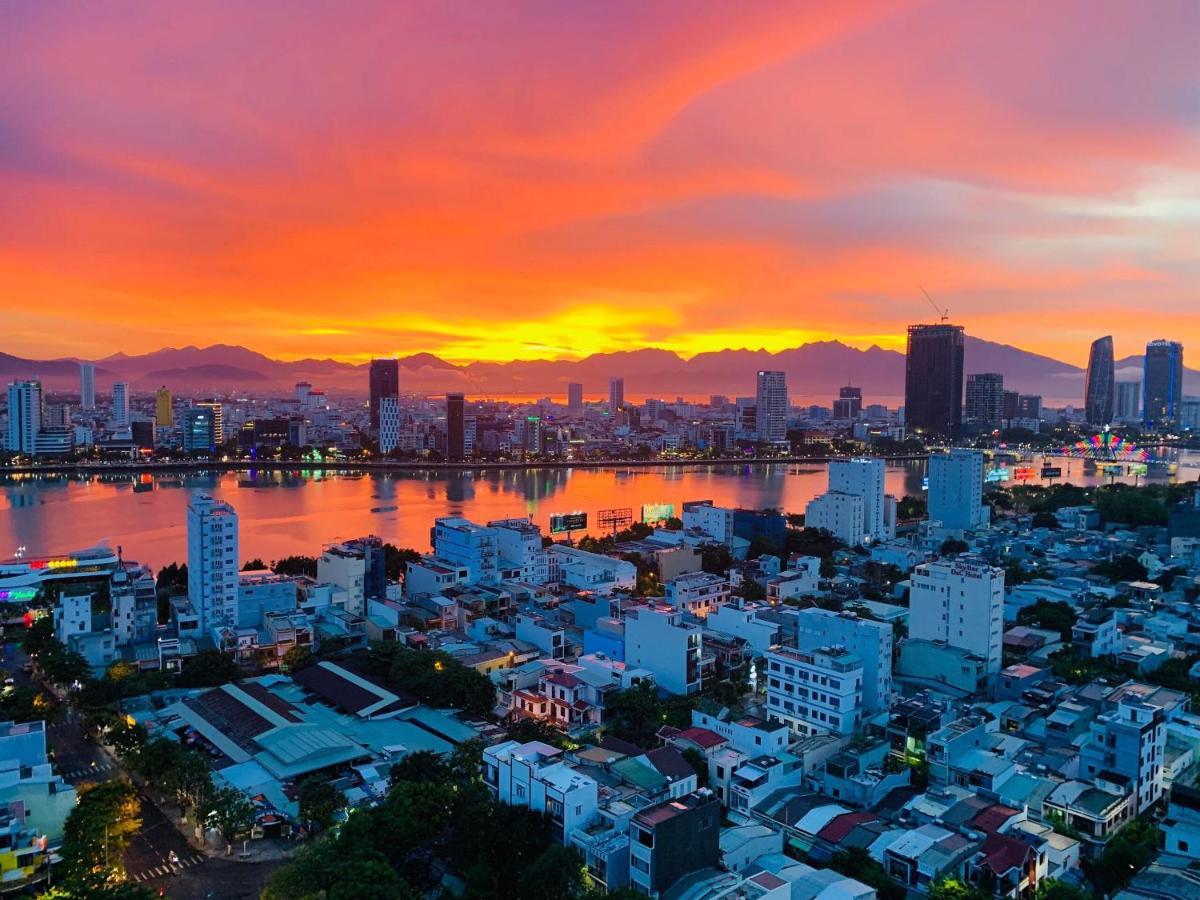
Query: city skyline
x=700, y=183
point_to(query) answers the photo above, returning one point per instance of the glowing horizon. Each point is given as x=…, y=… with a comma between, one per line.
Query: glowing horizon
x=536, y=180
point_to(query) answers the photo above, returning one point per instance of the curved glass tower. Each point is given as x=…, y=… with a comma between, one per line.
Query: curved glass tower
x=1098, y=390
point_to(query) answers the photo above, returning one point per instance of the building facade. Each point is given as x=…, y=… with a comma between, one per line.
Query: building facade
x=933, y=379
x=213, y=562
x=1099, y=397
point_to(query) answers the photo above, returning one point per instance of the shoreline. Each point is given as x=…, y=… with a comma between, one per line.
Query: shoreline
x=390, y=466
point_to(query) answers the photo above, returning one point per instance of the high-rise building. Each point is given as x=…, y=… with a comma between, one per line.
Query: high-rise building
x=87, y=386
x=456, y=448
x=385, y=382
x=213, y=562
x=24, y=416
x=1129, y=401
x=616, y=395
x=120, y=403
x=956, y=489
x=1099, y=387
x=1029, y=406
x=1012, y=403
x=985, y=399
x=198, y=426
x=961, y=604
x=575, y=399
x=1162, y=383
x=837, y=510
x=218, y=419
x=848, y=405
x=389, y=424
x=303, y=389
x=771, y=404
x=933, y=379
x=164, y=412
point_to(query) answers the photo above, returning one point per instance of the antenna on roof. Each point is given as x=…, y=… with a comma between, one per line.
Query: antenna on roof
x=944, y=314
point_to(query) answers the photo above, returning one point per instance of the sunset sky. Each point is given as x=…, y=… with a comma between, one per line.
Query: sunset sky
x=518, y=180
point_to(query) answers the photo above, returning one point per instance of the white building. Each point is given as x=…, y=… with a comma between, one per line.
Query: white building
x=120, y=403
x=87, y=386
x=865, y=478
x=657, y=639
x=24, y=416
x=534, y=776
x=842, y=515
x=522, y=556
x=698, y=593
x=815, y=691
x=587, y=571
x=213, y=562
x=389, y=424
x=714, y=521
x=960, y=603
x=871, y=641
x=741, y=619
x=345, y=568
x=771, y=407
x=956, y=489
x=466, y=545
x=801, y=578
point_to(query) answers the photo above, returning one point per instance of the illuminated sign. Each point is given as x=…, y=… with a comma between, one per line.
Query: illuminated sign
x=53, y=564
x=1024, y=473
x=614, y=519
x=657, y=512
x=18, y=594
x=1052, y=471
x=1138, y=468
x=1114, y=470
x=998, y=473
x=573, y=521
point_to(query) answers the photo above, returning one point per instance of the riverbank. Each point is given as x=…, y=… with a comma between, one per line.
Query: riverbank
x=240, y=465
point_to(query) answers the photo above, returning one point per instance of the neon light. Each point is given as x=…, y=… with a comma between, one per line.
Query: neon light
x=19, y=594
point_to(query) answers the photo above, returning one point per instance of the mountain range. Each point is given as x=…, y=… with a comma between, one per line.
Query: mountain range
x=815, y=371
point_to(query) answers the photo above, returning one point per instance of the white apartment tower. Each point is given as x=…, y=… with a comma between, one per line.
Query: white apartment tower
x=120, y=403
x=837, y=513
x=771, y=407
x=87, y=386
x=871, y=641
x=960, y=603
x=213, y=561
x=815, y=691
x=956, y=489
x=389, y=424
x=24, y=416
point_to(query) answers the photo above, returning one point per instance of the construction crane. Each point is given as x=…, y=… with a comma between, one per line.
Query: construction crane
x=943, y=314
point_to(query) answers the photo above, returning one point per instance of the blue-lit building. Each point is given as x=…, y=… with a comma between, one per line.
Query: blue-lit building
x=199, y=429
x=1162, y=384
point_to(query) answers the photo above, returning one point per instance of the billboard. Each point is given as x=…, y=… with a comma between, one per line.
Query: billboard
x=614, y=519
x=998, y=473
x=572, y=521
x=1052, y=471
x=1025, y=473
x=1139, y=469
x=657, y=512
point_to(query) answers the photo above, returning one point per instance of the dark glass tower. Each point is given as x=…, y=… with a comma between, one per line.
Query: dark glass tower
x=933, y=379
x=1098, y=390
x=1162, y=384
x=385, y=382
x=456, y=448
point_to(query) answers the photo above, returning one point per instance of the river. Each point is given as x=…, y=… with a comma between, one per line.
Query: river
x=285, y=513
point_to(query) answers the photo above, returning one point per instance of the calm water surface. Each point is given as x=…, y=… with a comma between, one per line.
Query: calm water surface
x=296, y=513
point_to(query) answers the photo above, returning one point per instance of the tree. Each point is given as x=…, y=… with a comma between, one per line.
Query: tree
x=254, y=565
x=557, y=873
x=1053, y=889
x=99, y=828
x=190, y=779
x=231, y=811
x=39, y=637
x=948, y=888
x=715, y=559
x=26, y=704
x=1126, y=853
x=857, y=863
x=699, y=762
x=208, y=668
x=953, y=547
x=1121, y=568
x=396, y=560
x=297, y=658
x=421, y=767
x=296, y=565
x=636, y=714
x=319, y=801
x=1045, y=520
x=1052, y=615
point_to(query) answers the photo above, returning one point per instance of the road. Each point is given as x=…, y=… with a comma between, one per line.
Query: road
x=12, y=661
x=148, y=858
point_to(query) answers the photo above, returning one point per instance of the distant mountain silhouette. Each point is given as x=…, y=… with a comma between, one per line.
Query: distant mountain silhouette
x=815, y=371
